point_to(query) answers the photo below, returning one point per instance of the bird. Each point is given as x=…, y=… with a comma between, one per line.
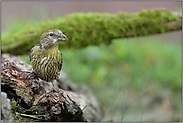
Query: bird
x=45, y=58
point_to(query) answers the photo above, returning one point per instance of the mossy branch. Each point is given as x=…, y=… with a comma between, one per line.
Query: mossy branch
x=84, y=29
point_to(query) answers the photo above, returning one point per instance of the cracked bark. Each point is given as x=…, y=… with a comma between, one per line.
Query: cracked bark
x=33, y=98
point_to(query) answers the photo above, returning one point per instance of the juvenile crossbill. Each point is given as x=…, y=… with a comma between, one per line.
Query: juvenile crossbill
x=45, y=57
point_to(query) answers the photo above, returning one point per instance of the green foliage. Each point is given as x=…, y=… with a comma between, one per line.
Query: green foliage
x=85, y=29
x=13, y=110
x=124, y=107
x=23, y=117
x=14, y=105
x=74, y=118
x=132, y=56
x=32, y=116
x=149, y=66
x=114, y=98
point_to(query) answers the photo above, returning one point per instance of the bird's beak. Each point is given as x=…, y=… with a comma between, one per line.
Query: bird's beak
x=62, y=37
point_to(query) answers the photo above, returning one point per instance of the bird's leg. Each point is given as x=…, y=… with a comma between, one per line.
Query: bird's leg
x=53, y=88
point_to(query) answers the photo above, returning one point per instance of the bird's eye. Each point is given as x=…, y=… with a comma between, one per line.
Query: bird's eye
x=51, y=34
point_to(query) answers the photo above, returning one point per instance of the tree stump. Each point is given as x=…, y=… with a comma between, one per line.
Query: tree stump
x=35, y=102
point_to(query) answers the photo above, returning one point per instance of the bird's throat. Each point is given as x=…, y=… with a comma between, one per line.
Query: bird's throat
x=52, y=51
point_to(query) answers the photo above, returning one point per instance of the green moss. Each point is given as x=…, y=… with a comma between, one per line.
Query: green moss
x=13, y=111
x=84, y=29
x=14, y=105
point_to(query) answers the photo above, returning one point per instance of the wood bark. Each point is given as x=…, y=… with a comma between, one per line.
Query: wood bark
x=18, y=81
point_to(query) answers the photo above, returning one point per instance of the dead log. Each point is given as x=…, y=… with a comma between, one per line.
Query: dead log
x=34, y=100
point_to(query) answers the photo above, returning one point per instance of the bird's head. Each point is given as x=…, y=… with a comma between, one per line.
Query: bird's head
x=51, y=38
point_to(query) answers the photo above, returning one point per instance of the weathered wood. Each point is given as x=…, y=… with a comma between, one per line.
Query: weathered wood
x=33, y=98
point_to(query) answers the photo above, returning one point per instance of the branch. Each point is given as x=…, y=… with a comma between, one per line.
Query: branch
x=85, y=29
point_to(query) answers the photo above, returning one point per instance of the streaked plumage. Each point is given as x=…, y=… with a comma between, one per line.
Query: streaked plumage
x=45, y=57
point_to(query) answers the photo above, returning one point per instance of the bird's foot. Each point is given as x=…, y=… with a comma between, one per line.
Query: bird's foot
x=54, y=89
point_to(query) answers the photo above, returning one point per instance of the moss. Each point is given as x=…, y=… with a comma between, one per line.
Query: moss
x=84, y=29
x=14, y=105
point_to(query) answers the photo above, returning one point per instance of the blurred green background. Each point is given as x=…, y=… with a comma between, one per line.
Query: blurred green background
x=148, y=68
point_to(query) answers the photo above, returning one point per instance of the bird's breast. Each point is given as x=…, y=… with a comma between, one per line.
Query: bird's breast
x=46, y=64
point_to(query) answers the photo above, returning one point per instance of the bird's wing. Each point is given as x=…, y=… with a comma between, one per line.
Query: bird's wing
x=31, y=52
x=60, y=63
